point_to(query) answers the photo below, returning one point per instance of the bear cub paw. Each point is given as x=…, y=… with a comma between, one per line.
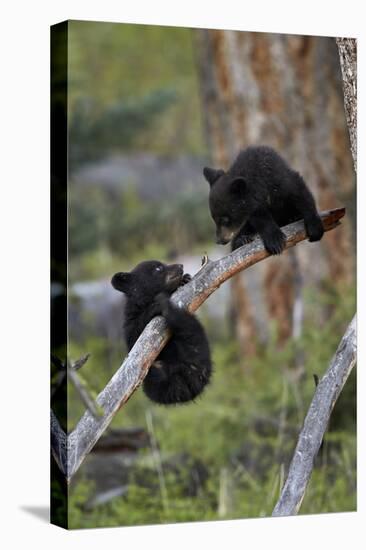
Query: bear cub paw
x=241, y=240
x=186, y=279
x=274, y=242
x=314, y=229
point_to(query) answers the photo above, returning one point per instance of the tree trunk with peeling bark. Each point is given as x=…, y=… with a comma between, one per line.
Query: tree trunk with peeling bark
x=286, y=92
x=347, y=48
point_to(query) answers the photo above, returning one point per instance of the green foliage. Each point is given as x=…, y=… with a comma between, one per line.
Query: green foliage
x=131, y=87
x=99, y=368
x=115, y=230
x=139, y=507
x=59, y=500
x=329, y=491
x=95, y=132
x=133, y=73
x=243, y=430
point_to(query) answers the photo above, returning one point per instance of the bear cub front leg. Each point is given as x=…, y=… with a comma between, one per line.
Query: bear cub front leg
x=273, y=238
x=246, y=235
x=163, y=303
x=176, y=317
x=314, y=227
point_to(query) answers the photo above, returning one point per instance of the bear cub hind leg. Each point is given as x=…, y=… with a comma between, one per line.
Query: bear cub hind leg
x=186, y=364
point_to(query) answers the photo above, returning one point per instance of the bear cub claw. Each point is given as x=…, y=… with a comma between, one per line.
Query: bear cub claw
x=241, y=240
x=186, y=279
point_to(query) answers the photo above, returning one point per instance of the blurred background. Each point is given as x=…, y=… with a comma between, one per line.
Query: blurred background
x=148, y=107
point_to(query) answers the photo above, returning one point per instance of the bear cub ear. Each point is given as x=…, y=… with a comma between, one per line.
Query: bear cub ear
x=212, y=175
x=238, y=186
x=121, y=281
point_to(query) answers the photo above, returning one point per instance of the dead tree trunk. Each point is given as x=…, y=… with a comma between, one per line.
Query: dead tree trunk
x=347, y=48
x=283, y=91
x=316, y=422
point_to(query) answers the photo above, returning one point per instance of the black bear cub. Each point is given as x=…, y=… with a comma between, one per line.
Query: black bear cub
x=183, y=367
x=259, y=194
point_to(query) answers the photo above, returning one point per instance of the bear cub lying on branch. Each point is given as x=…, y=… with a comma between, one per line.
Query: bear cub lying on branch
x=183, y=368
x=259, y=194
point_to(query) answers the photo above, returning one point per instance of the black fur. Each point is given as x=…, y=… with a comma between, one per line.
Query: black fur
x=183, y=368
x=259, y=194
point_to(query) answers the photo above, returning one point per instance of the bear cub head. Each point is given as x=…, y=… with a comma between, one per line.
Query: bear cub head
x=148, y=279
x=230, y=203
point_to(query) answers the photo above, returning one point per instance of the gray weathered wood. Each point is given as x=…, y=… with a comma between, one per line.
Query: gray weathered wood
x=76, y=365
x=58, y=444
x=135, y=367
x=347, y=48
x=316, y=421
x=82, y=390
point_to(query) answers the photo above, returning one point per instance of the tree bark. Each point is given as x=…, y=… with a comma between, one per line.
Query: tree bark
x=286, y=92
x=347, y=48
x=58, y=444
x=69, y=451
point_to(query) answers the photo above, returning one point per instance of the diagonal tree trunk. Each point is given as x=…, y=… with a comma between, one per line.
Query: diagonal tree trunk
x=315, y=424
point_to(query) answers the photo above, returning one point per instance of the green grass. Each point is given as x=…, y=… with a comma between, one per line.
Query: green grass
x=243, y=431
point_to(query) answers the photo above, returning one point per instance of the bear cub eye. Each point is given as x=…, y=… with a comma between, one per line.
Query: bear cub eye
x=159, y=268
x=225, y=220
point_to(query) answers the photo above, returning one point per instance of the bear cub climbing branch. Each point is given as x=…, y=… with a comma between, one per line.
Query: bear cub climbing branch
x=183, y=368
x=259, y=194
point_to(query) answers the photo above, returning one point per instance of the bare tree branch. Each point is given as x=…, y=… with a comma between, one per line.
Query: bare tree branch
x=316, y=421
x=80, y=362
x=81, y=387
x=135, y=367
x=58, y=444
